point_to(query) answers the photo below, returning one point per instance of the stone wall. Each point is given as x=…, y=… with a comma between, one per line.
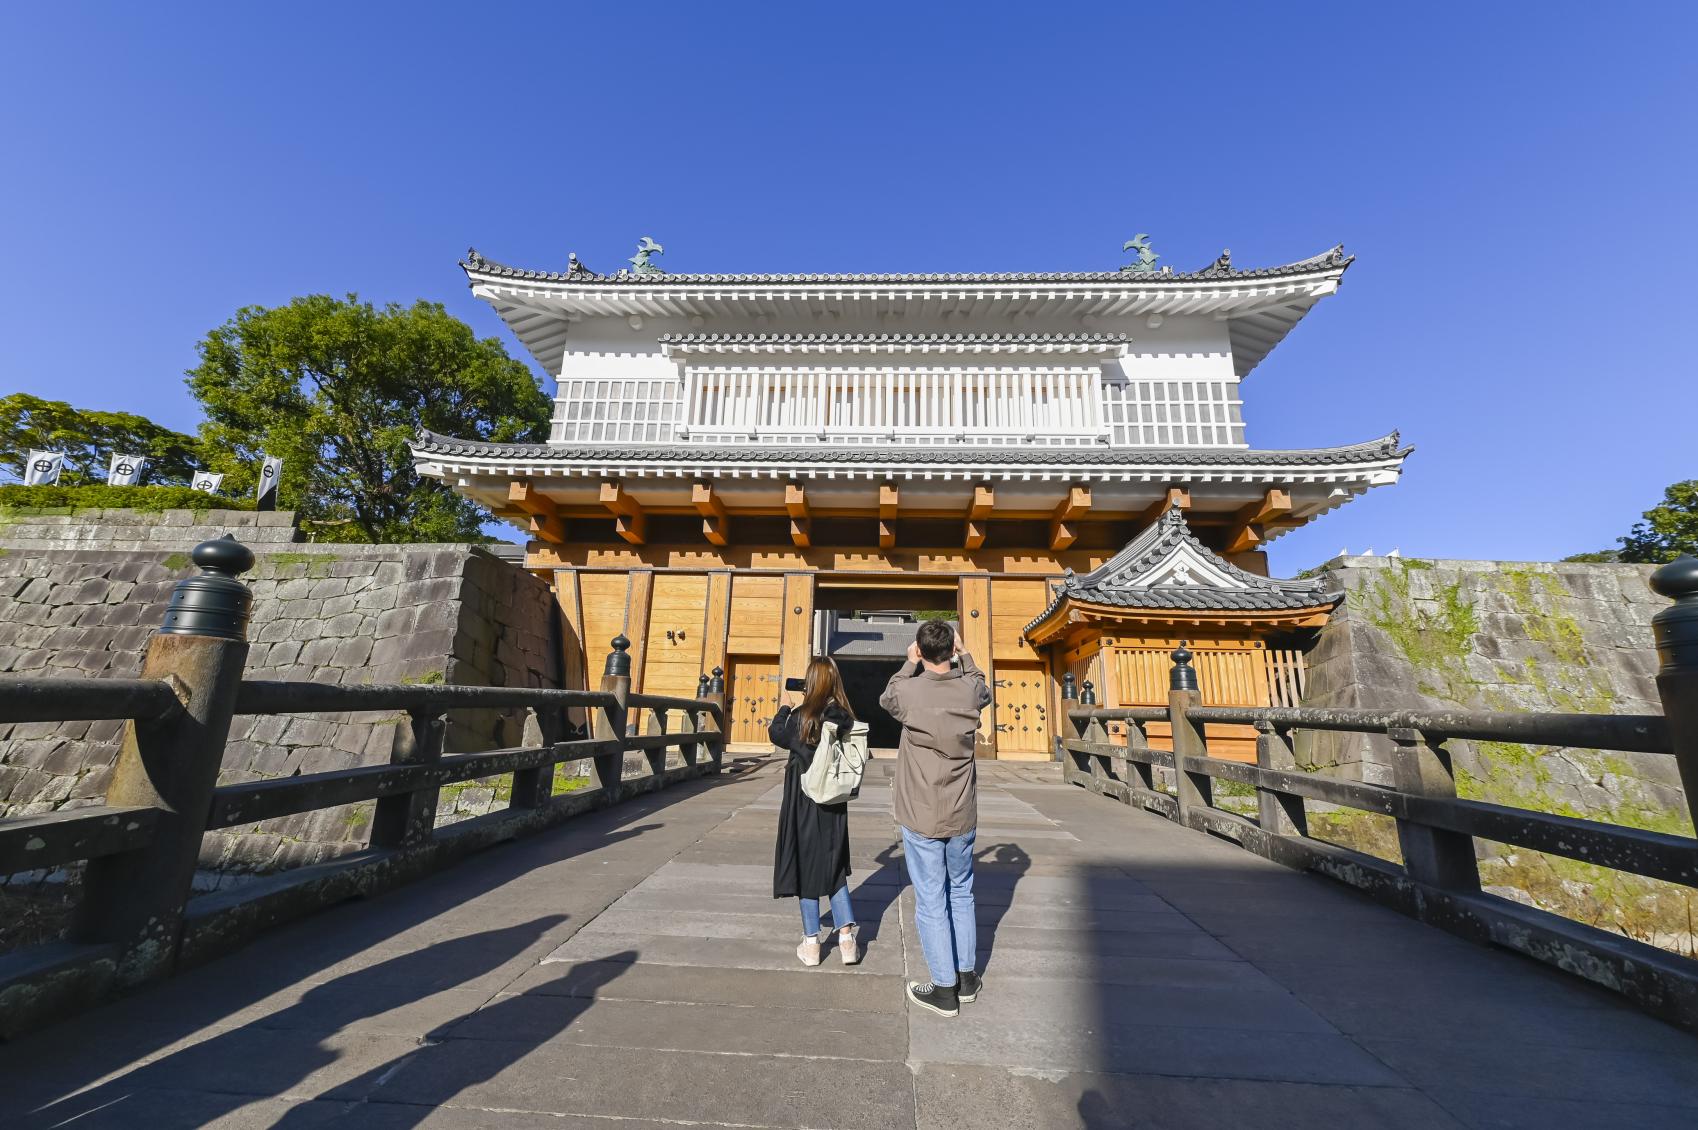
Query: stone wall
x=322, y=613
x=94, y=528
x=1498, y=635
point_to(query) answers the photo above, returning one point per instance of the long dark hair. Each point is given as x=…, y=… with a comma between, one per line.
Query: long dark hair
x=822, y=687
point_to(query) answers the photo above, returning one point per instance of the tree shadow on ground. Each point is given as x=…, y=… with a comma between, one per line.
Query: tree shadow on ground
x=411, y=1086
x=44, y=1067
x=275, y=1053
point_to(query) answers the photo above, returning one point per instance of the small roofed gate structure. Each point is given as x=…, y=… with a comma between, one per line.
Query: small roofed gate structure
x=1114, y=628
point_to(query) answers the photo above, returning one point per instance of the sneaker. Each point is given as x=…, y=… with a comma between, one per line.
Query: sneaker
x=942, y=1000
x=849, y=945
x=967, y=988
x=809, y=951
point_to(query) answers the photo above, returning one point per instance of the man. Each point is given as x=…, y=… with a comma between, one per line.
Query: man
x=937, y=696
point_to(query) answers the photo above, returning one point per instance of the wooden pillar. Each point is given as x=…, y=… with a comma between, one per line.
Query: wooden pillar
x=796, y=635
x=638, y=599
x=716, y=625
x=974, y=609
x=574, y=667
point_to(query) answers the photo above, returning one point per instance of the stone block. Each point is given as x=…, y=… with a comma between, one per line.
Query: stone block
x=329, y=587
x=353, y=652
x=339, y=605
x=343, y=626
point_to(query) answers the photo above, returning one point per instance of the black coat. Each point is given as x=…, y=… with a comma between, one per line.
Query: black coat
x=812, y=858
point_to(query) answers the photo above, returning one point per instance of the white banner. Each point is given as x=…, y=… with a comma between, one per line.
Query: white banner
x=207, y=481
x=125, y=470
x=42, y=468
x=270, y=470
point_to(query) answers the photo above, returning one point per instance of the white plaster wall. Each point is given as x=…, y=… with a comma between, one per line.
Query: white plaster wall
x=615, y=349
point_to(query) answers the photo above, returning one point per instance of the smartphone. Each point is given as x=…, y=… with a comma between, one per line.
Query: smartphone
x=795, y=684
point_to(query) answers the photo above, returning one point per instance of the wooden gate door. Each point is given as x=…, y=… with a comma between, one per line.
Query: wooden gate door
x=1022, y=725
x=752, y=688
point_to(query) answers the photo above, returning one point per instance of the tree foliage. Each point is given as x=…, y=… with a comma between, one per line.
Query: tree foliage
x=1667, y=531
x=337, y=388
x=89, y=438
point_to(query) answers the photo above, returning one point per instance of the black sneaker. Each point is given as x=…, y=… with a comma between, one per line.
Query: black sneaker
x=942, y=1000
x=967, y=988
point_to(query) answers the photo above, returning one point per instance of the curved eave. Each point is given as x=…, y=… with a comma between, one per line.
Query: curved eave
x=1068, y=612
x=787, y=462
x=1262, y=306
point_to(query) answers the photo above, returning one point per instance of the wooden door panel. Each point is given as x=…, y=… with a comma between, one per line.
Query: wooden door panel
x=1022, y=711
x=752, y=688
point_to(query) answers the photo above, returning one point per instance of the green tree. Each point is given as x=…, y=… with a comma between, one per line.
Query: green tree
x=337, y=389
x=89, y=439
x=1668, y=530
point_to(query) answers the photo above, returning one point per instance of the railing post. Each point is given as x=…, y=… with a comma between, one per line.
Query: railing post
x=532, y=788
x=1676, y=631
x=1280, y=813
x=410, y=818
x=1069, y=699
x=1430, y=855
x=722, y=725
x=1195, y=790
x=136, y=899
x=610, y=722
x=657, y=757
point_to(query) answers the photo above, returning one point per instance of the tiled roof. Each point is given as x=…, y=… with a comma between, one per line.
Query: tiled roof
x=1220, y=269
x=895, y=339
x=1167, y=568
x=1374, y=451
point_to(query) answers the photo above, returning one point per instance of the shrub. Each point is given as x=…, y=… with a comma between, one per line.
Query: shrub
x=18, y=497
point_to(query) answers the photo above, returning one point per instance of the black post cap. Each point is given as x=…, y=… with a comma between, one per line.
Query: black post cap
x=1069, y=688
x=1676, y=627
x=1088, y=696
x=1183, y=677
x=619, y=659
x=716, y=685
x=213, y=603
x=702, y=685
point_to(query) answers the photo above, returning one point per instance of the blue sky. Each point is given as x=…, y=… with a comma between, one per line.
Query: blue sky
x=1516, y=181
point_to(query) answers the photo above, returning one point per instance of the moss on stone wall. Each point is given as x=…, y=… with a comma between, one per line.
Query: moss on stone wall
x=1438, y=641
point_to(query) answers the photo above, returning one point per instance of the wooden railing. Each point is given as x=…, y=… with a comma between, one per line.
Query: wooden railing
x=809, y=405
x=135, y=921
x=1439, y=880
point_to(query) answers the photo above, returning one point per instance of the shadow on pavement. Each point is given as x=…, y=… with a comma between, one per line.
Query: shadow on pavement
x=40, y=1069
x=231, y=1070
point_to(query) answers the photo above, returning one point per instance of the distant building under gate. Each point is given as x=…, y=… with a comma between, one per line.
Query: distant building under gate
x=736, y=458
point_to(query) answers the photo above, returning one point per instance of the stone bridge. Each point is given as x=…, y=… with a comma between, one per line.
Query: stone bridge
x=606, y=953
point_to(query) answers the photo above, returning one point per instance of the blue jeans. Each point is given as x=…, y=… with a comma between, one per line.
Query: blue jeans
x=942, y=874
x=842, y=914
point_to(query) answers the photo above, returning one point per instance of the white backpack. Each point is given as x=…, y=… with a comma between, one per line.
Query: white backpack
x=839, y=760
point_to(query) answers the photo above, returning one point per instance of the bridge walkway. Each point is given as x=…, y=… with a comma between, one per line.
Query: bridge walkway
x=630, y=970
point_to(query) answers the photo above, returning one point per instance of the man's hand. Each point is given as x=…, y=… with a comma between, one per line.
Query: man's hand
x=959, y=646
x=914, y=652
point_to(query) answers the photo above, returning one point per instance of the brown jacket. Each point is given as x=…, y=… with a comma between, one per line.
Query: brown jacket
x=936, y=785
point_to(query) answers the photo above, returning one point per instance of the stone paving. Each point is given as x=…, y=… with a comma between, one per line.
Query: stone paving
x=630, y=971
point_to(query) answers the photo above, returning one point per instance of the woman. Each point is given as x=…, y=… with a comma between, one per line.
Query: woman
x=812, y=860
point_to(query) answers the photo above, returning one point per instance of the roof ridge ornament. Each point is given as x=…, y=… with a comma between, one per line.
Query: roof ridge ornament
x=640, y=264
x=1146, y=264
